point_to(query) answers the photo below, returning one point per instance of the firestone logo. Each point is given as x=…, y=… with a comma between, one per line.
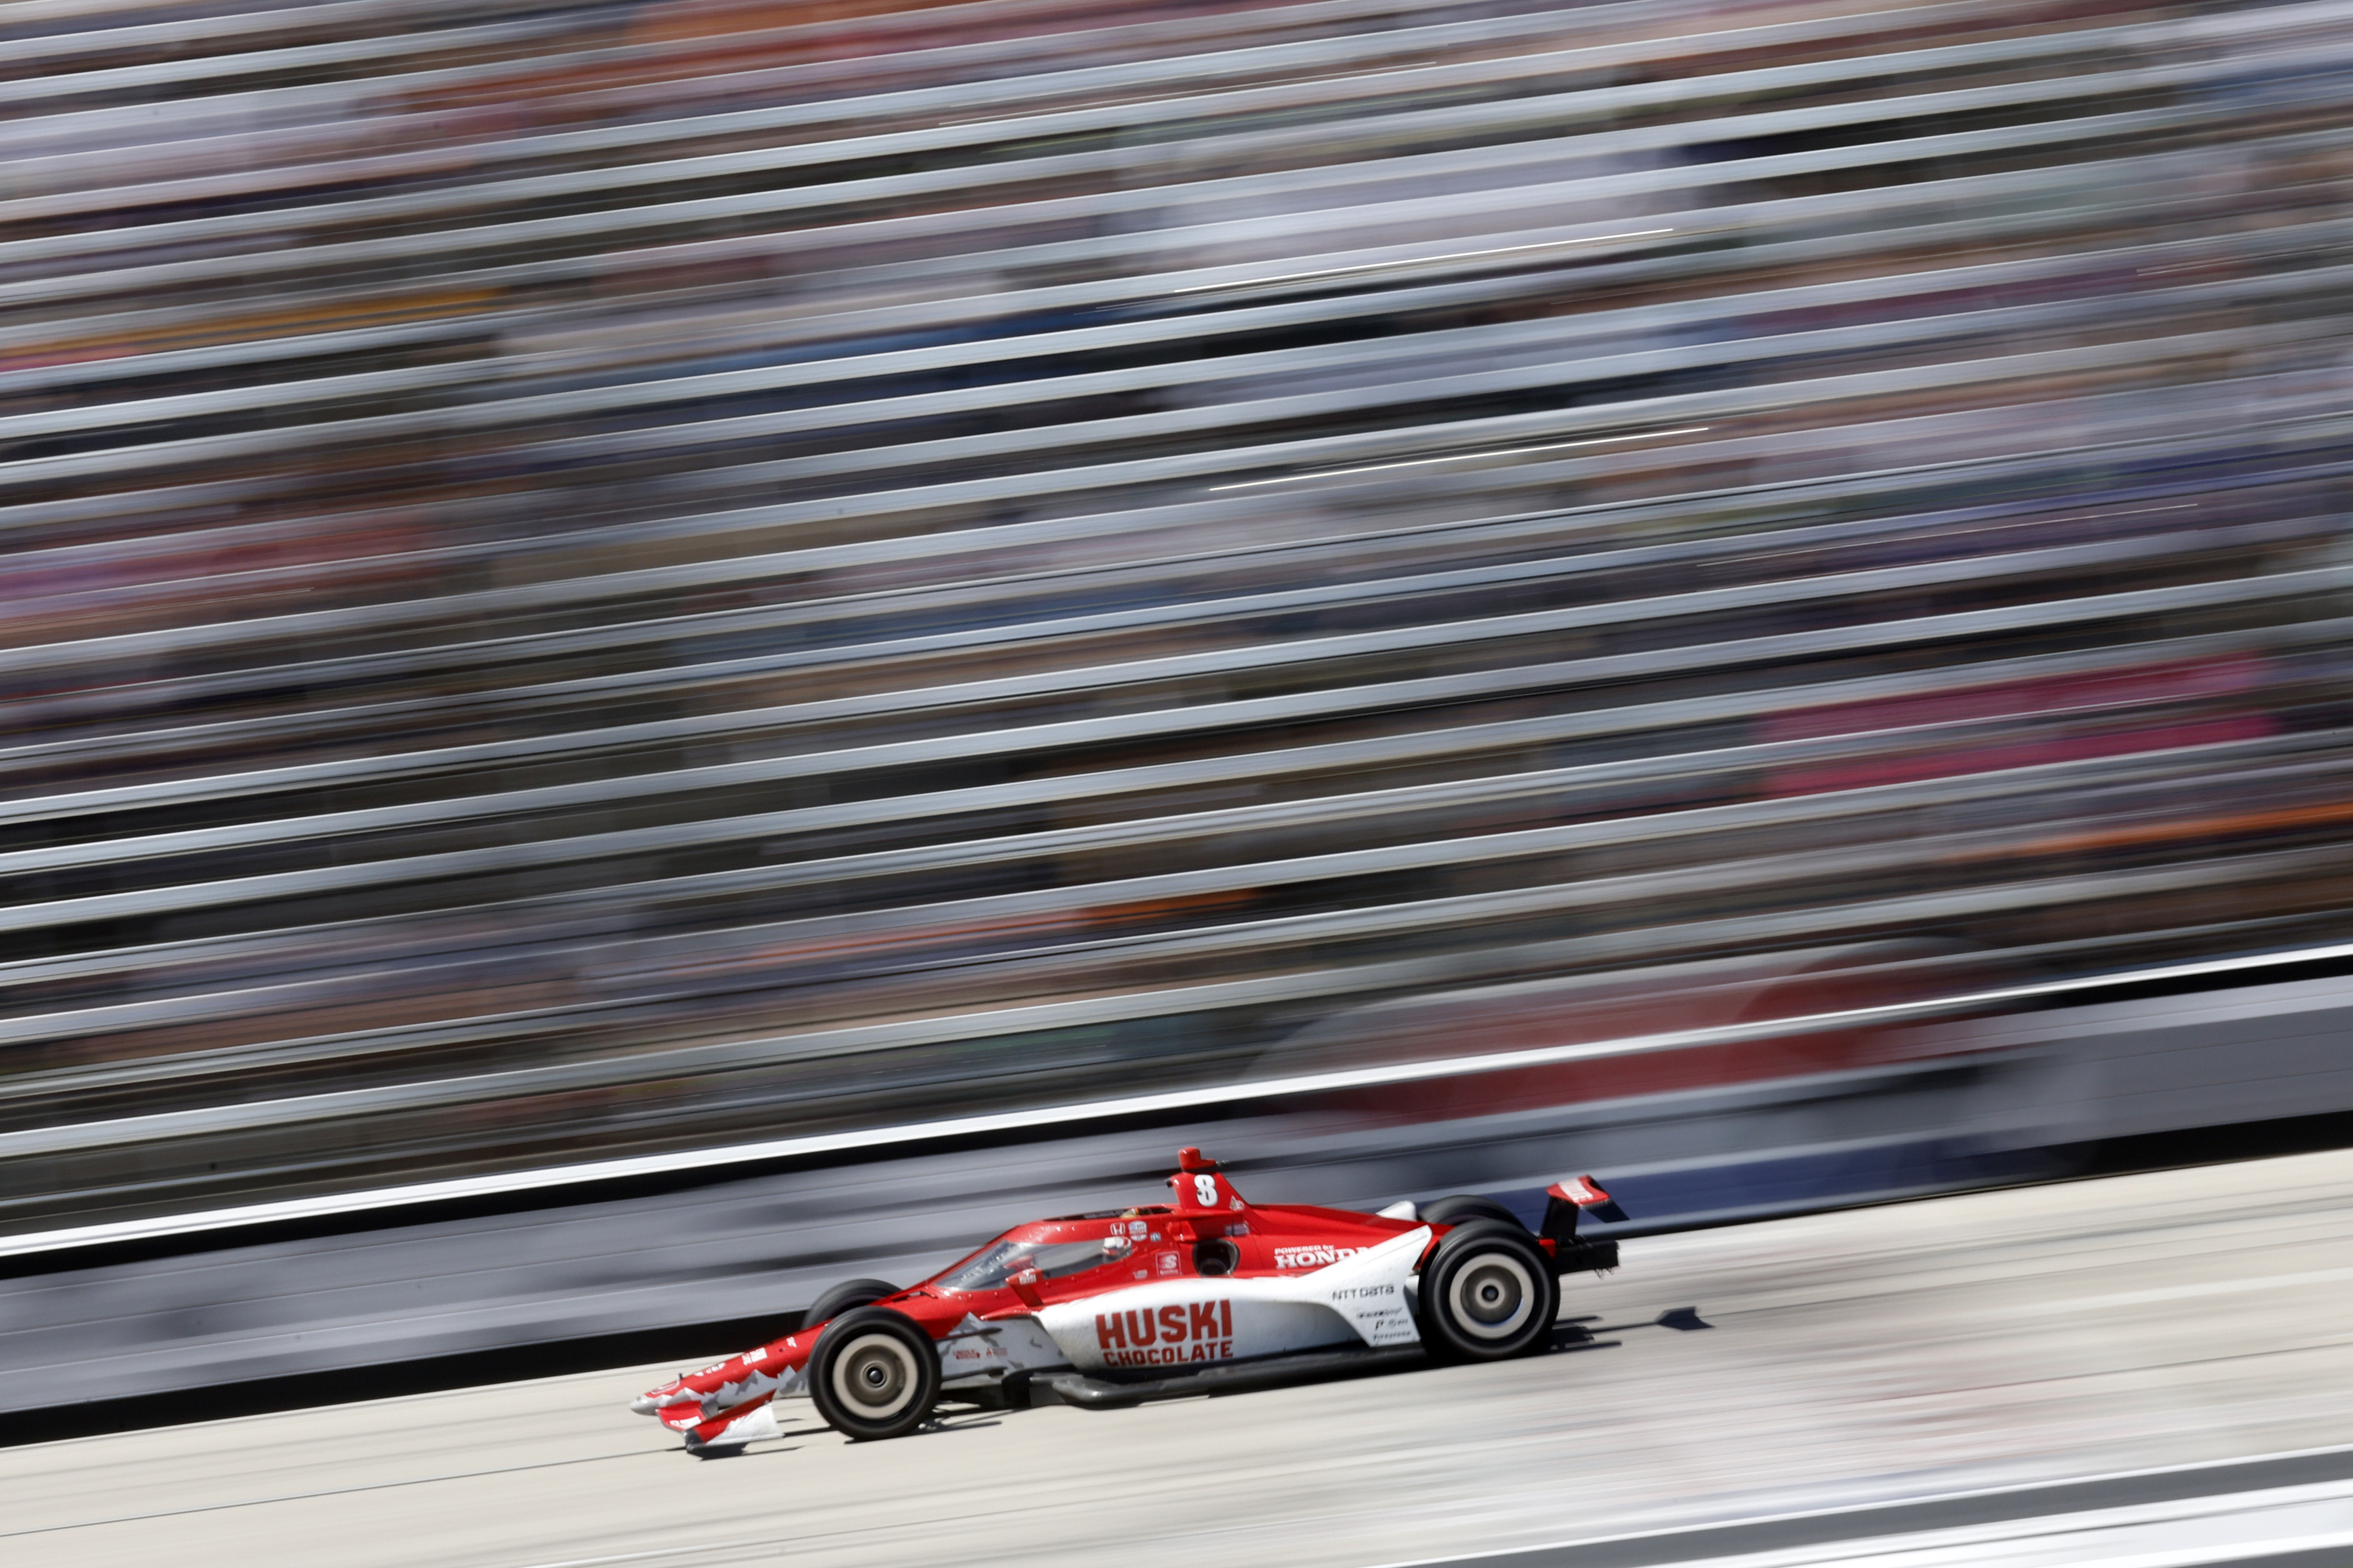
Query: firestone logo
x=1311, y=1257
x=1194, y=1331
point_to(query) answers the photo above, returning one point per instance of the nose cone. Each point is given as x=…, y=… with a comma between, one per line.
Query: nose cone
x=653, y=1399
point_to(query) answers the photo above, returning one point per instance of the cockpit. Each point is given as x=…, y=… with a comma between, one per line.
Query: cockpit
x=1048, y=1248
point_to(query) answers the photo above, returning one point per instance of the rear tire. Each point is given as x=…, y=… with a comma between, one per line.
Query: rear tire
x=874, y=1375
x=1463, y=1207
x=843, y=1297
x=1488, y=1294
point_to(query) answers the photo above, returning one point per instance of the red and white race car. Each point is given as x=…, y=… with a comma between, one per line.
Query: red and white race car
x=1209, y=1293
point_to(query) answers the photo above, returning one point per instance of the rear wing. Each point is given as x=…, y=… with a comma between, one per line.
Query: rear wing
x=1566, y=1199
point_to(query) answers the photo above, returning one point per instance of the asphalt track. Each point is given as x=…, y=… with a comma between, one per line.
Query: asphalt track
x=1920, y=1385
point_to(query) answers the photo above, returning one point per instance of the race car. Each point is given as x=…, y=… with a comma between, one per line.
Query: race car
x=1209, y=1293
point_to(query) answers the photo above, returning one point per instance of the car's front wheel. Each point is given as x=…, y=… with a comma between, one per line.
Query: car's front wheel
x=1487, y=1293
x=842, y=1296
x=874, y=1375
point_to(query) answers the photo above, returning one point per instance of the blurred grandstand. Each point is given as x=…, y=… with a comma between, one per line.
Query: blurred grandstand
x=588, y=578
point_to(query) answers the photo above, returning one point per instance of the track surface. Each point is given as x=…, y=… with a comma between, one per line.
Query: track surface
x=1878, y=1356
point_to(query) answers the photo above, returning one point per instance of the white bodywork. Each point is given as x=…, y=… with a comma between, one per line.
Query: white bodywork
x=1182, y=1324
x=975, y=1353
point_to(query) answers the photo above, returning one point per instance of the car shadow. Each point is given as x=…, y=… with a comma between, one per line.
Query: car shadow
x=1573, y=1334
x=1683, y=1319
x=964, y=1421
x=1576, y=1337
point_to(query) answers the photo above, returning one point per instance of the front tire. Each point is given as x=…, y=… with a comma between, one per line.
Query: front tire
x=874, y=1375
x=1488, y=1293
x=842, y=1296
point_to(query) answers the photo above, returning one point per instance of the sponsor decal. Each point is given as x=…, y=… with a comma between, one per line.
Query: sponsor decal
x=1319, y=1255
x=1136, y=1228
x=1169, y=1264
x=1171, y=1336
x=754, y=1358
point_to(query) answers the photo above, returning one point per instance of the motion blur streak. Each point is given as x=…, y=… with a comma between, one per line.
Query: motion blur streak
x=610, y=578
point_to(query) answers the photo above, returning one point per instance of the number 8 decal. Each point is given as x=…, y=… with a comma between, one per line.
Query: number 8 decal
x=1205, y=1190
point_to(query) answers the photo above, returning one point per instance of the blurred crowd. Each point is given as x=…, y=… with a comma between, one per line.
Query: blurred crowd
x=596, y=577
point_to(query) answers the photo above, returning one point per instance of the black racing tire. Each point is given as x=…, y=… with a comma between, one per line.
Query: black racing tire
x=1487, y=1294
x=842, y=1296
x=1463, y=1207
x=874, y=1375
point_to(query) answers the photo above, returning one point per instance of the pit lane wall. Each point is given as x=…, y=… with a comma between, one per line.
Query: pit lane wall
x=2032, y=1090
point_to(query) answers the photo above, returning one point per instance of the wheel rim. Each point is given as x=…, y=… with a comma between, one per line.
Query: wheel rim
x=875, y=1376
x=1491, y=1296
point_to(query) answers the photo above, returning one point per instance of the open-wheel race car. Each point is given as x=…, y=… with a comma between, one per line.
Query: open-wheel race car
x=1209, y=1293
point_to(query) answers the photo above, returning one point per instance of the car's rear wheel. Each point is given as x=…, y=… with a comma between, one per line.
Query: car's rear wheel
x=1463, y=1207
x=1488, y=1293
x=874, y=1375
x=843, y=1297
